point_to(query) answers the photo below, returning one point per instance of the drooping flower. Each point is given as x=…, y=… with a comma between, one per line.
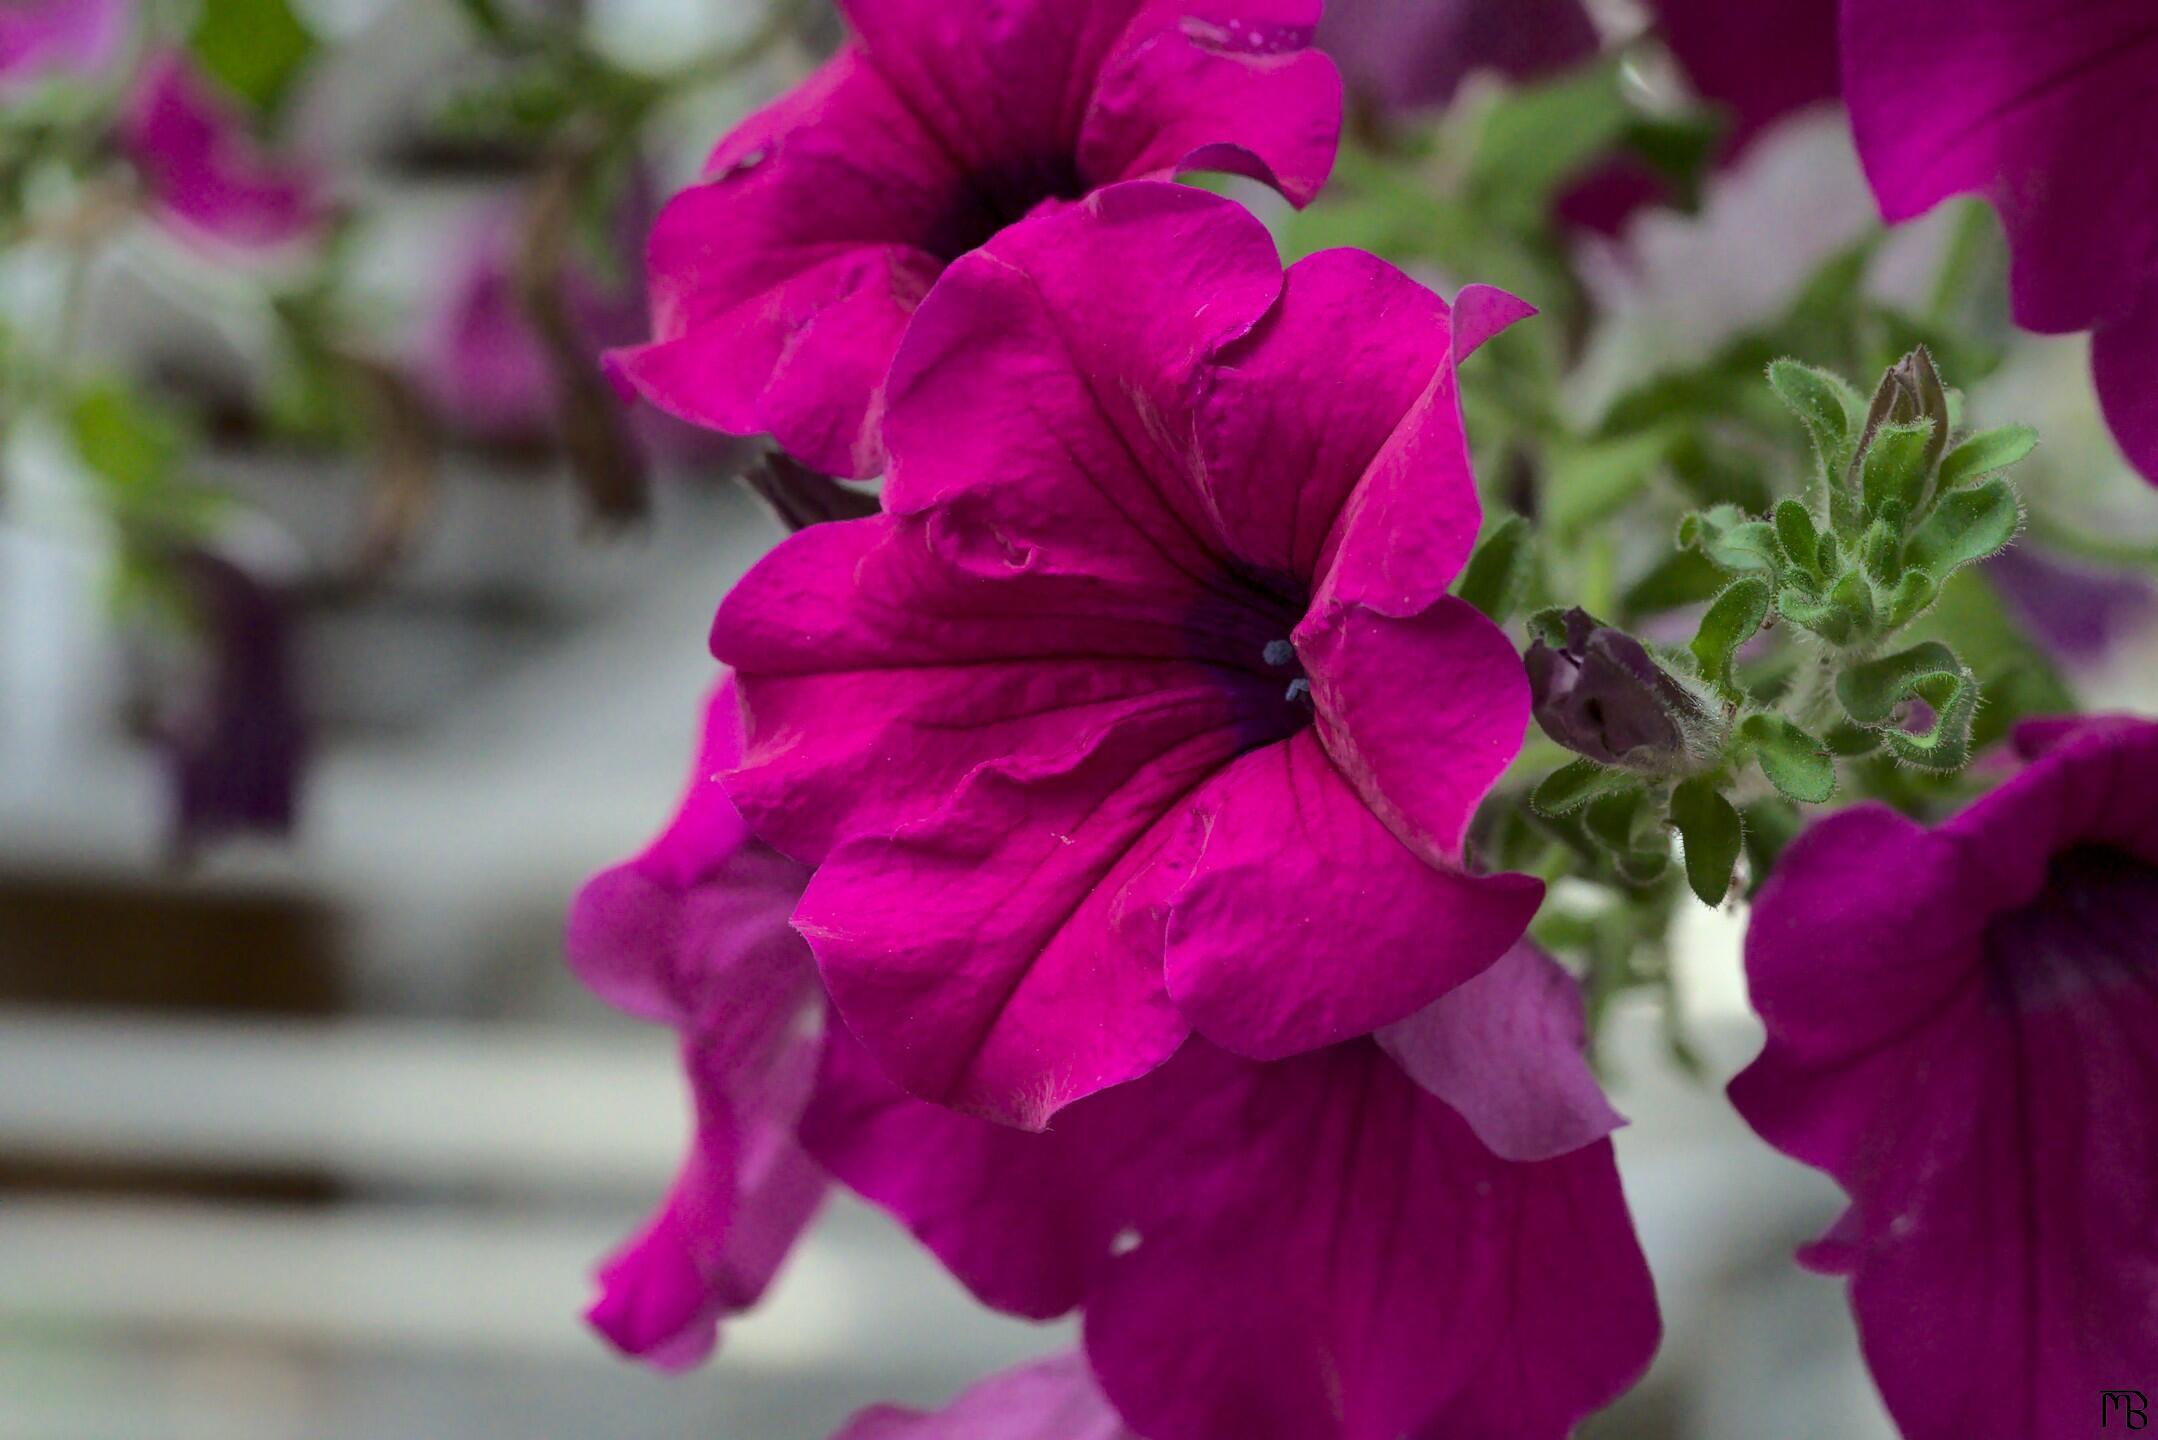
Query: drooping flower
x=2039, y=106
x=41, y=38
x=780, y=285
x=204, y=174
x=693, y=934
x=1407, y=54
x=1144, y=708
x=1053, y=1399
x=1304, y=1249
x=1601, y=694
x=234, y=736
x=1962, y=1024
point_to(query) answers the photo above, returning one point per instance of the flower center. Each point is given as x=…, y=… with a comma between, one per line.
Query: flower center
x=2093, y=928
x=995, y=196
x=1280, y=654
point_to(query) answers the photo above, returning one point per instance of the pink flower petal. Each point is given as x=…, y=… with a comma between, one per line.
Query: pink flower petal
x=2124, y=362
x=1505, y=1050
x=1302, y=920
x=1053, y=1399
x=204, y=172
x=2037, y=105
x=1243, y=93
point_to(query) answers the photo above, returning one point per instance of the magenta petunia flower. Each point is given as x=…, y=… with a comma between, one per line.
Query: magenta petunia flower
x=1144, y=708
x=693, y=934
x=2042, y=107
x=1961, y=1029
x=1053, y=1399
x=204, y=173
x=41, y=38
x=1406, y=54
x=781, y=285
x=1304, y=1249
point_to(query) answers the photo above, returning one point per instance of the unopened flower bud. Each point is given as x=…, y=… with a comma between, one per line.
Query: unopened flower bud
x=1910, y=392
x=1603, y=696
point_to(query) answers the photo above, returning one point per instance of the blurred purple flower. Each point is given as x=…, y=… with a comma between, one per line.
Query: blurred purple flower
x=234, y=739
x=1961, y=1024
x=781, y=285
x=1407, y=54
x=1304, y=1249
x=41, y=38
x=1143, y=708
x=2076, y=611
x=482, y=364
x=2042, y=107
x=1760, y=61
x=693, y=934
x=204, y=173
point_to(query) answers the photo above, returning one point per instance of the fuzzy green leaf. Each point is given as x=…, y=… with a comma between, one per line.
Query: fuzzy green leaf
x=1824, y=402
x=1872, y=693
x=1730, y=622
x=1895, y=466
x=1967, y=525
x=1572, y=786
x=1795, y=532
x=1712, y=834
x=1987, y=453
x=1794, y=762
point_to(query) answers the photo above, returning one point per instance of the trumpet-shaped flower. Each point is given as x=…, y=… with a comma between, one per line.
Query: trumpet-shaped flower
x=1962, y=1025
x=781, y=285
x=1143, y=709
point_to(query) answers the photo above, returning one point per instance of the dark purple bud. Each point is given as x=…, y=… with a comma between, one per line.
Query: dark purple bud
x=803, y=497
x=234, y=738
x=1602, y=695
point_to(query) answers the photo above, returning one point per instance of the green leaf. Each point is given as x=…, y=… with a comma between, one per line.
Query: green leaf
x=1682, y=577
x=1537, y=138
x=1730, y=622
x=1795, y=763
x=1882, y=547
x=1771, y=825
x=255, y=48
x=1968, y=524
x=1824, y=402
x=1895, y=467
x=1712, y=835
x=1987, y=453
x=1727, y=537
x=1631, y=833
x=1795, y=532
x=1585, y=483
x=130, y=444
x=1498, y=574
x=1853, y=595
x=1913, y=593
x=1872, y=693
x=1572, y=786
x=1825, y=618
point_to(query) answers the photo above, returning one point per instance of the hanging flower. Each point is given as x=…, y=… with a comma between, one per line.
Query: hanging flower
x=1305, y=1249
x=1407, y=54
x=235, y=740
x=1053, y=1399
x=780, y=286
x=1961, y=1027
x=42, y=38
x=693, y=934
x=2039, y=106
x=204, y=174
x=1144, y=708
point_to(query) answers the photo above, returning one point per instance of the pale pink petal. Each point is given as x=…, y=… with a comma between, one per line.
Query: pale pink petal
x=1053, y=1399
